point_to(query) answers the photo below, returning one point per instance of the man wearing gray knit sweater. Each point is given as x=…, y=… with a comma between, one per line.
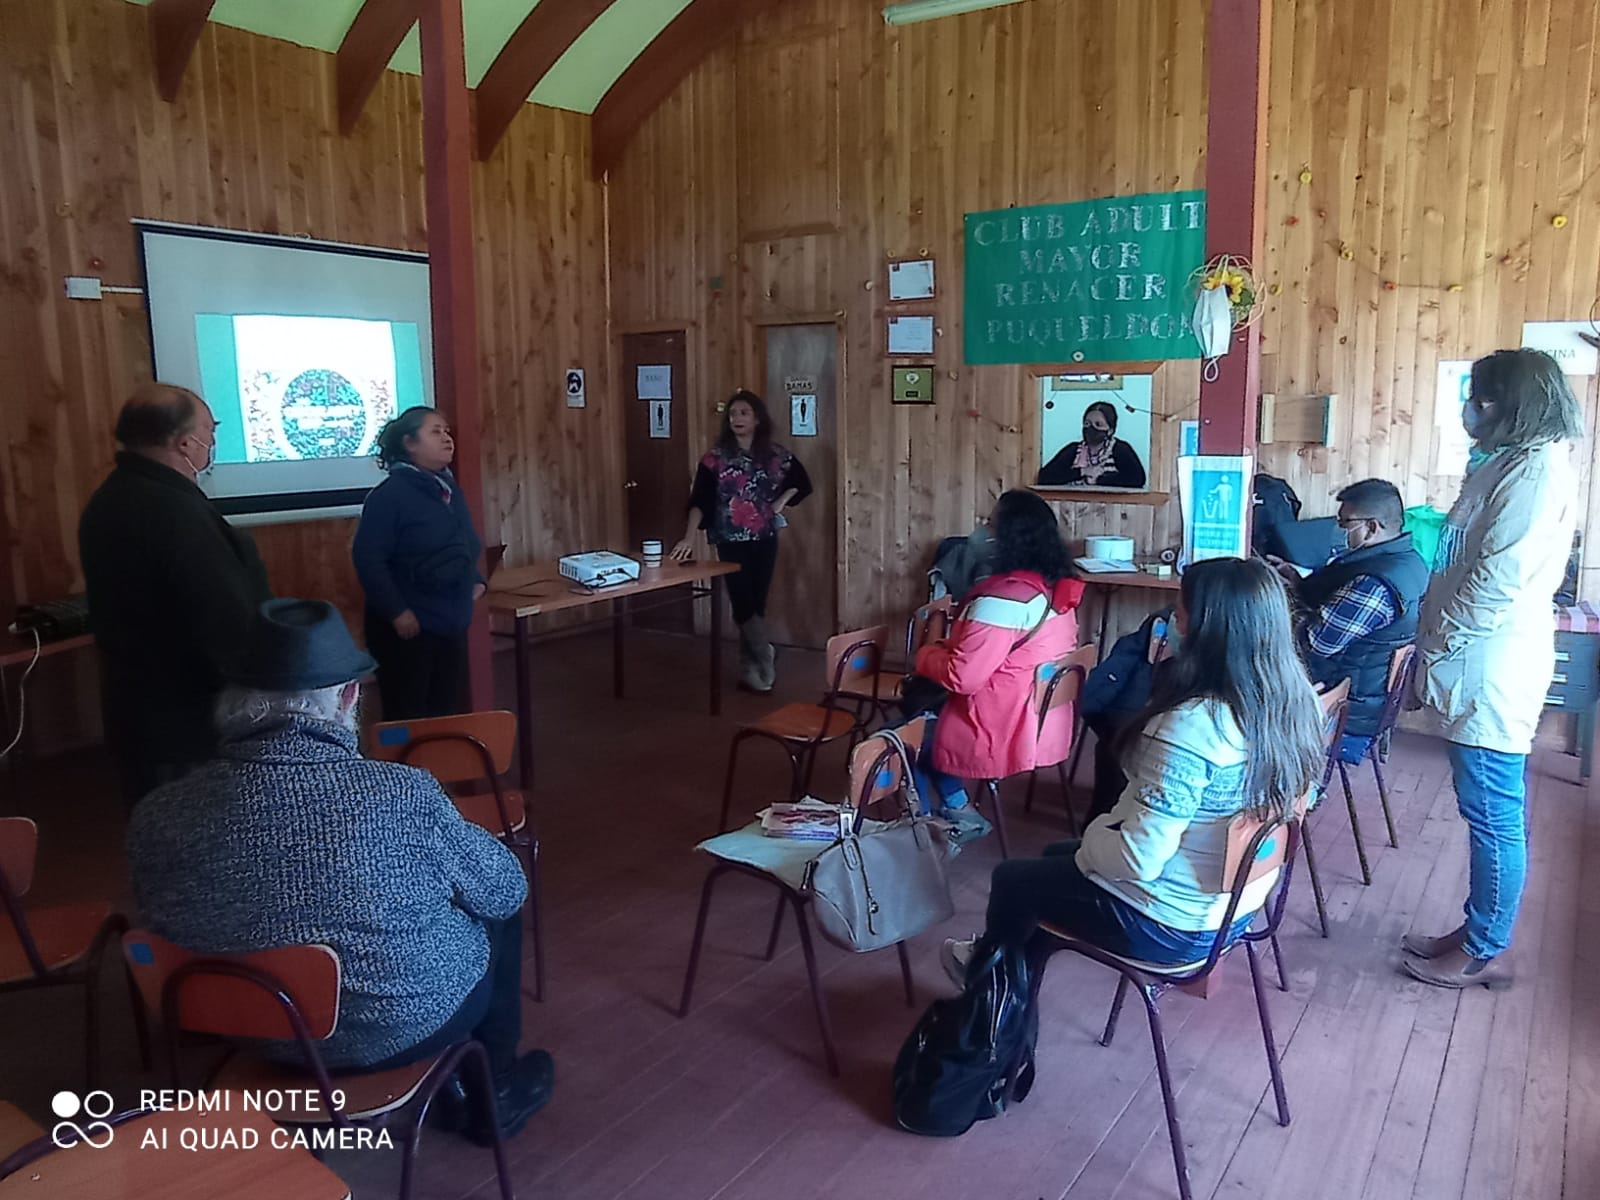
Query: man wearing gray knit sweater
x=288, y=836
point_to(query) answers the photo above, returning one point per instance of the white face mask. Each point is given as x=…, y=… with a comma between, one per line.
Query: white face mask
x=211, y=460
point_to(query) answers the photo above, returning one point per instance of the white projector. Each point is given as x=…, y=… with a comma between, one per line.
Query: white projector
x=598, y=569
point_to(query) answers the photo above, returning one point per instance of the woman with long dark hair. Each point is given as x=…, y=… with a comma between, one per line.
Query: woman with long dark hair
x=416, y=553
x=1099, y=459
x=1019, y=618
x=1233, y=724
x=741, y=488
x=1486, y=640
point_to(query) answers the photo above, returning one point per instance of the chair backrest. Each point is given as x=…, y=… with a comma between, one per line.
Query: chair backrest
x=1255, y=856
x=1402, y=667
x=242, y=996
x=1335, y=707
x=19, y=850
x=927, y=625
x=876, y=772
x=1059, y=683
x=854, y=660
x=453, y=749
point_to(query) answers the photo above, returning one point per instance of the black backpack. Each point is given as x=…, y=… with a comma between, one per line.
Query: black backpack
x=970, y=1055
x=1275, y=504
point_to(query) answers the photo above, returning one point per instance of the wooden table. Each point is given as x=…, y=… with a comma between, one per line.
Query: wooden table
x=124, y=1171
x=524, y=593
x=17, y=650
x=1131, y=580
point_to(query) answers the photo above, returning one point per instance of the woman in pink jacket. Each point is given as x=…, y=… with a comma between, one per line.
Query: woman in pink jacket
x=1018, y=619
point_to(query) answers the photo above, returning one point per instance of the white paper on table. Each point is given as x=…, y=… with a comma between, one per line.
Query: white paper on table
x=655, y=382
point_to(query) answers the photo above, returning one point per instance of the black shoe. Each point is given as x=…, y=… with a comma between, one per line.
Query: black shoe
x=450, y=1111
x=518, y=1097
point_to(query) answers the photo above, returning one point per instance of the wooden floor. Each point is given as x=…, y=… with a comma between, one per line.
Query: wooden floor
x=1396, y=1090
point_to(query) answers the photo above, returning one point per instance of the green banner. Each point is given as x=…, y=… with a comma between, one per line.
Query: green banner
x=1096, y=281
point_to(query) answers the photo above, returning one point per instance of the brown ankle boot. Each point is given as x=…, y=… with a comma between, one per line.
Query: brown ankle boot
x=1433, y=947
x=1457, y=969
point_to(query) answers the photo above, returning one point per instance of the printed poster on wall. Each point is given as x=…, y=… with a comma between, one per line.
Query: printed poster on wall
x=1095, y=281
x=1214, y=493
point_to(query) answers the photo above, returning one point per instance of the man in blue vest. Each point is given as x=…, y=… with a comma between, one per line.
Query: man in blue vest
x=1362, y=606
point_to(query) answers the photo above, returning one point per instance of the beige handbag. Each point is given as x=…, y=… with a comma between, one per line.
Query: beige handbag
x=881, y=884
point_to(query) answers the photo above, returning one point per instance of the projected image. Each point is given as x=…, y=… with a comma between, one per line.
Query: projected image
x=312, y=387
x=1094, y=431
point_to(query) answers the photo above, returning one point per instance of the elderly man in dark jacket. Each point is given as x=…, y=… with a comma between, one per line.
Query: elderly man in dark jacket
x=172, y=587
x=289, y=837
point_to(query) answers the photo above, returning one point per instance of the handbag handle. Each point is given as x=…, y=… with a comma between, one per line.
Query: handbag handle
x=908, y=778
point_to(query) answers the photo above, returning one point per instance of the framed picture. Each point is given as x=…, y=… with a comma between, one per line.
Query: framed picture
x=1088, y=383
x=911, y=334
x=911, y=279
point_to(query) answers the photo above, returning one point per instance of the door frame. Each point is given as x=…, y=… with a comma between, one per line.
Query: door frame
x=758, y=326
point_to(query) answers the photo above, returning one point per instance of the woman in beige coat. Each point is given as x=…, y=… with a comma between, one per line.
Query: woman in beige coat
x=1486, y=640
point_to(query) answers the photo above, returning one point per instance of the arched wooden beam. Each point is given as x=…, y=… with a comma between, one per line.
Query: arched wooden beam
x=175, y=28
x=544, y=36
x=666, y=62
x=373, y=37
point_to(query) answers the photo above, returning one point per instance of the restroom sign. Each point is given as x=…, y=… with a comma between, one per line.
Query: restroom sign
x=575, y=388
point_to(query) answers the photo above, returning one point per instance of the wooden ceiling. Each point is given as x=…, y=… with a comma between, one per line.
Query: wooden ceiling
x=616, y=59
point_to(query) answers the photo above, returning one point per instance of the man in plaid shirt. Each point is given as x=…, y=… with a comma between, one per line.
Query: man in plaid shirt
x=1362, y=605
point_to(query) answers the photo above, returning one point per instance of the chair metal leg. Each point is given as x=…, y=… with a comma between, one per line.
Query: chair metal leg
x=1355, y=826
x=480, y=1057
x=1027, y=799
x=777, y=928
x=1123, y=983
x=818, y=1000
x=727, y=783
x=1266, y=1034
x=1277, y=957
x=993, y=786
x=905, y=974
x=1316, y=880
x=1179, y=1160
x=803, y=766
x=408, y=1157
x=1079, y=729
x=1383, y=797
x=536, y=916
x=1073, y=828
x=699, y=939
x=141, y=1019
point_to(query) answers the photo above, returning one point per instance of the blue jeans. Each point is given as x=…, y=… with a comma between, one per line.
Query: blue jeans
x=1491, y=792
x=937, y=790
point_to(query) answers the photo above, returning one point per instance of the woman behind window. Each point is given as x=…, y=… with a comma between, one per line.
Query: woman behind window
x=1101, y=459
x=416, y=553
x=1020, y=617
x=741, y=488
x=1486, y=640
x=1233, y=725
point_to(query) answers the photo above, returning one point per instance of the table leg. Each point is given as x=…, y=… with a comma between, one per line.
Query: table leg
x=619, y=621
x=524, y=641
x=716, y=646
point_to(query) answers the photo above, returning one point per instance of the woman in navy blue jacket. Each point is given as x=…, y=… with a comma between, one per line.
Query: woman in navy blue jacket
x=417, y=555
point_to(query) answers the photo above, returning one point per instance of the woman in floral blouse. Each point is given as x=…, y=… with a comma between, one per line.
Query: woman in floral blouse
x=741, y=488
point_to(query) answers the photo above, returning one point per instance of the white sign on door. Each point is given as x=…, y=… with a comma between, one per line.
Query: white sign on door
x=1561, y=340
x=575, y=391
x=1455, y=384
x=661, y=418
x=802, y=416
x=655, y=382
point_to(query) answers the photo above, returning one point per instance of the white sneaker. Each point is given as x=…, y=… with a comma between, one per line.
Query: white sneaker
x=954, y=957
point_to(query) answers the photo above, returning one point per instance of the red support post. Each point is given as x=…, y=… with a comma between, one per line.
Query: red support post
x=1239, y=57
x=447, y=159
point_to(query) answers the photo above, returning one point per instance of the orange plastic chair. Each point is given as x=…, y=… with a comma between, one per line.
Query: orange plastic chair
x=876, y=777
x=1056, y=685
x=467, y=749
x=854, y=664
x=1255, y=849
x=291, y=993
x=59, y=946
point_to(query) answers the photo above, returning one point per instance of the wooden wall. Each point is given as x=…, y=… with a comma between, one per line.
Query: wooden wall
x=1440, y=138
x=252, y=143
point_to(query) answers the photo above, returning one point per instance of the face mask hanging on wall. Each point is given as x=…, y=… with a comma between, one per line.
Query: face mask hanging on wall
x=1213, y=327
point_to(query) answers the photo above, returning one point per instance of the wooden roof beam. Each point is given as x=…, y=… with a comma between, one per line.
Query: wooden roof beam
x=664, y=63
x=373, y=37
x=545, y=34
x=175, y=29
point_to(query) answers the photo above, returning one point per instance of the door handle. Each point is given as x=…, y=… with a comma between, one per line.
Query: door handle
x=630, y=485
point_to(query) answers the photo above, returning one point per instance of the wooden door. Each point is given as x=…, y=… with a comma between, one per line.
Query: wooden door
x=802, y=394
x=658, y=468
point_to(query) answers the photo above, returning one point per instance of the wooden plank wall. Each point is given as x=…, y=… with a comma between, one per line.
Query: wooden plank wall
x=252, y=143
x=1440, y=138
